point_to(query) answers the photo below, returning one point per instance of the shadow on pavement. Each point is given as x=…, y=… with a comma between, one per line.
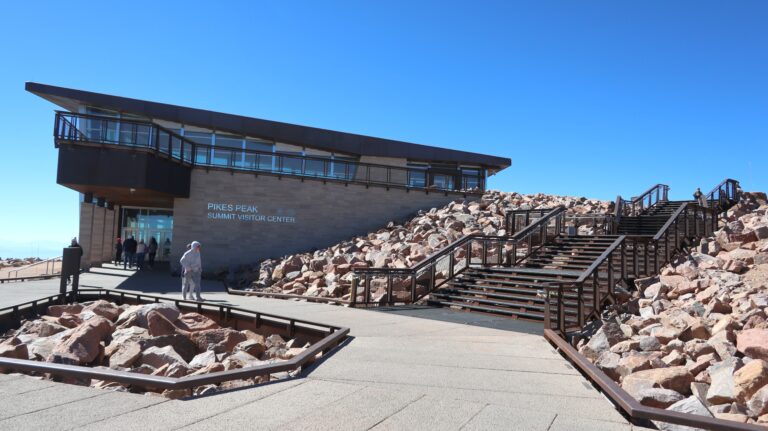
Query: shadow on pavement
x=462, y=317
x=158, y=280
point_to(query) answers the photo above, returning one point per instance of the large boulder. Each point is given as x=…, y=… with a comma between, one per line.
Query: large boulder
x=58, y=310
x=690, y=405
x=658, y=397
x=203, y=359
x=125, y=355
x=104, y=309
x=219, y=340
x=84, y=344
x=758, y=404
x=138, y=314
x=721, y=390
x=196, y=322
x=160, y=356
x=753, y=343
x=158, y=324
x=185, y=347
x=678, y=379
x=749, y=379
x=13, y=348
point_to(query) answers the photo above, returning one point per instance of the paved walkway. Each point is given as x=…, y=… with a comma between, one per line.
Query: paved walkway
x=412, y=368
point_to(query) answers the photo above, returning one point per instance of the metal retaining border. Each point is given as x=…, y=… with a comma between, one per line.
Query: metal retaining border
x=335, y=335
x=631, y=406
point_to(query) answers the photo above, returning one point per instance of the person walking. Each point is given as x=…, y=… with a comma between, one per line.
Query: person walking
x=152, y=252
x=118, y=251
x=141, y=251
x=129, y=251
x=192, y=269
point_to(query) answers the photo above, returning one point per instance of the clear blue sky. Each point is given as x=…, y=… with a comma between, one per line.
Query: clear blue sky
x=593, y=98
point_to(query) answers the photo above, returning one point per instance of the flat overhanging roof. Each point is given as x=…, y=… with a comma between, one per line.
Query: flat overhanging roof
x=312, y=137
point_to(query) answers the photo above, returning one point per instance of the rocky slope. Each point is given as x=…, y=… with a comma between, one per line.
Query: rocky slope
x=326, y=272
x=695, y=338
x=152, y=339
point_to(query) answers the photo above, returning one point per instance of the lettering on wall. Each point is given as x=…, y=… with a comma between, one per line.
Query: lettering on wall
x=247, y=213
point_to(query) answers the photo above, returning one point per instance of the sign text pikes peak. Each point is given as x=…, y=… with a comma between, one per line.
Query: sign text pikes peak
x=247, y=212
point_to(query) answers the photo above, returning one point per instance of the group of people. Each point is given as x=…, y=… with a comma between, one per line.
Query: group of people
x=132, y=253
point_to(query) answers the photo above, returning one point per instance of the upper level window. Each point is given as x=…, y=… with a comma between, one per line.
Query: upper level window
x=471, y=178
x=417, y=175
x=229, y=141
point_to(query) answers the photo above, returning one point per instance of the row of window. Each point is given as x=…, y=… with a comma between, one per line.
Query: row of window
x=225, y=150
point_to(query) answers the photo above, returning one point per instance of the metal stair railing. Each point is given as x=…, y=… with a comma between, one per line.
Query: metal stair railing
x=689, y=221
x=641, y=204
x=412, y=284
x=599, y=278
x=724, y=195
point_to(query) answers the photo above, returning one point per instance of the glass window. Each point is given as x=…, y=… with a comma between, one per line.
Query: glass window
x=470, y=178
x=442, y=181
x=317, y=166
x=417, y=175
x=260, y=161
x=204, y=138
x=229, y=141
x=344, y=167
x=136, y=134
x=290, y=162
x=255, y=145
x=202, y=153
x=101, y=130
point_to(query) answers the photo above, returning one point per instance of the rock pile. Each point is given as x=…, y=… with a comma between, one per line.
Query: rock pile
x=326, y=273
x=695, y=338
x=10, y=262
x=154, y=339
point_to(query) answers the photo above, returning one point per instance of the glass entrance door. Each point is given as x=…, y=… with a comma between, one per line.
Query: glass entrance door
x=147, y=223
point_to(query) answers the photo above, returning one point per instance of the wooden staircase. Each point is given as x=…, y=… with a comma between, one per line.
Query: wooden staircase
x=517, y=291
x=590, y=265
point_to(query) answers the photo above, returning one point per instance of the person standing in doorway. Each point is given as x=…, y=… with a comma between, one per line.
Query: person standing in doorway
x=129, y=251
x=141, y=251
x=118, y=251
x=192, y=268
x=152, y=252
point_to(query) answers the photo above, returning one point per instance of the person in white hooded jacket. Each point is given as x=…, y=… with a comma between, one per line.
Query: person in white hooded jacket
x=192, y=268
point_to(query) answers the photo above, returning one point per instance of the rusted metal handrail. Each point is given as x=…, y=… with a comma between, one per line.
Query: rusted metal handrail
x=577, y=286
x=534, y=235
x=649, y=198
x=724, y=195
x=631, y=406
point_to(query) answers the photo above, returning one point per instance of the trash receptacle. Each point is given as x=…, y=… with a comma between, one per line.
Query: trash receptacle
x=70, y=267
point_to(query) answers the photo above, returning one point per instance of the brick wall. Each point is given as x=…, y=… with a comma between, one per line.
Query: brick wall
x=98, y=229
x=324, y=214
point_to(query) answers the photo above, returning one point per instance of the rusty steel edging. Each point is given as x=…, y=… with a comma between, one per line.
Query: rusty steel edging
x=335, y=336
x=631, y=406
x=317, y=299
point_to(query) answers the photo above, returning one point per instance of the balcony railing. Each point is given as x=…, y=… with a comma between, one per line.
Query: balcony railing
x=83, y=128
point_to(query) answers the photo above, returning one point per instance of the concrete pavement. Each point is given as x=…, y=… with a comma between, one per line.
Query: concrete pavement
x=403, y=368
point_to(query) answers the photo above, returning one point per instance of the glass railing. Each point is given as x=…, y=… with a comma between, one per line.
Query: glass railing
x=72, y=127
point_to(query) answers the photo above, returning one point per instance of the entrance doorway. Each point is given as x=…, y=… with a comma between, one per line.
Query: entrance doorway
x=147, y=223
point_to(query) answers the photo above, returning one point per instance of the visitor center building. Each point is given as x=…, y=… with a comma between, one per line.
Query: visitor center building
x=246, y=188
